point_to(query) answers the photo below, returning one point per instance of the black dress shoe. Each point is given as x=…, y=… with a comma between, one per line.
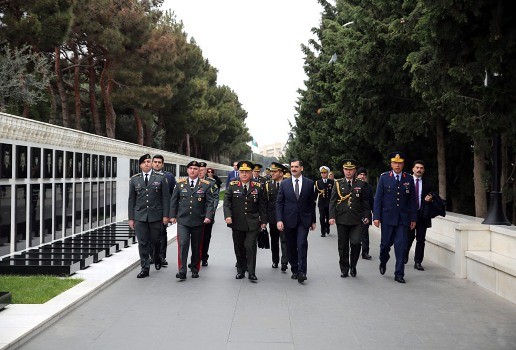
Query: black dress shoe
x=274, y=265
x=344, y=275
x=181, y=275
x=294, y=276
x=284, y=267
x=323, y=235
x=239, y=276
x=353, y=272
x=143, y=274
x=157, y=264
x=301, y=278
x=399, y=279
x=195, y=274
x=382, y=269
x=189, y=266
x=418, y=266
x=204, y=263
x=366, y=256
x=253, y=277
x=164, y=262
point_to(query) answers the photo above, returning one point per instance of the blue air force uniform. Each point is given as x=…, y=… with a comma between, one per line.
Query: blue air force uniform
x=394, y=207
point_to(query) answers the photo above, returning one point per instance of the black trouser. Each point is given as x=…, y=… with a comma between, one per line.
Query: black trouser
x=186, y=236
x=418, y=233
x=324, y=218
x=206, y=238
x=147, y=234
x=348, y=235
x=161, y=245
x=365, y=239
x=278, y=237
x=244, y=243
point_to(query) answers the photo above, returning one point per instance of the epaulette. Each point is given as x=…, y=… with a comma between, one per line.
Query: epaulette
x=159, y=173
x=209, y=179
x=385, y=173
x=234, y=182
x=256, y=183
x=182, y=180
x=204, y=181
x=136, y=175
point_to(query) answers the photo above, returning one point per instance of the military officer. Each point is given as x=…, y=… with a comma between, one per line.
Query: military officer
x=207, y=229
x=158, y=162
x=395, y=209
x=268, y=175
x=256, y=174
x=148, y=207
x=271, y=192
x=349, y=208
x=245, y=213
x=323, y=188
x=369, y=194
x=191, y=206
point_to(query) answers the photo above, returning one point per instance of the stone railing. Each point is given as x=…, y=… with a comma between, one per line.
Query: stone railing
x=484, y=254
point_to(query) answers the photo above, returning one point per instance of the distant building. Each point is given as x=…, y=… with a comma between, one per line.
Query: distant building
x=272, y=150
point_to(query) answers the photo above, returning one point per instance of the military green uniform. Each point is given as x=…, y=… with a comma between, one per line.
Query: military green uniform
x=147, y=205
x=208, y=228
x=247, y=211
x=348, y=206
x=277, y=236
x=190, y=206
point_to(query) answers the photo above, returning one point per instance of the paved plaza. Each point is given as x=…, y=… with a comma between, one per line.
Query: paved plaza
x=433, y=310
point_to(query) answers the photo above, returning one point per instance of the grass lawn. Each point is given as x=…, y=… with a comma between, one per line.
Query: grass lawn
x=35, y=289
x=221, y=195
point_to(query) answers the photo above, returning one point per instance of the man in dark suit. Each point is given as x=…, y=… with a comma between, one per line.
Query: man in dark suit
x=395, y=209
x=349, y=208
x=277, y=237
x=148, y=208
x=233, y=174
x=245, y=213
x=295, y=211
x=367, y=192
x=423, y=189
x=323, y=188
x=191, y=206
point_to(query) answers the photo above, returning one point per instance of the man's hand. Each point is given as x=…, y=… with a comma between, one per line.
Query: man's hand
x=165, y=220
x=428, y=198
x=412, y=225
x=207, y=221
x=331, y=221
x=228, y=220
x=312, y=228
x=263, y=226
x=280, y=226
x=131, y=224
x=376, y=223
x=173, y=221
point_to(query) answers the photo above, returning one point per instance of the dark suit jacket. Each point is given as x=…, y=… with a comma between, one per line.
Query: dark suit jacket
x=426, y=189
x=231, y=175
x=323, y=192
x=395, y=205
x=291, y=211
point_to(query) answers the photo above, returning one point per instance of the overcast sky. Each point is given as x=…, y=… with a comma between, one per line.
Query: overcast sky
x=256, y=47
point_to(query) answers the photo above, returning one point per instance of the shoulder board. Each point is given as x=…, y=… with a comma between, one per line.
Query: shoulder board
x=183, y=180
x=385, y=173
x=209, y=179
x=159, y=172
x=255, y=183
x=235, y=182
x=206, y=182
x=136, y=175
x=269, y=181
x=359, y=180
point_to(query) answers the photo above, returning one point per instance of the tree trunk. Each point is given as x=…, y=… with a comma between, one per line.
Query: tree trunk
x=106, y=87
x=93, y=99
x=61, y=89
x=53, y=105
x=187, y=141
x=77, y=92
x=139, y=127
x=26, y=110
x=148, y=135
x=479, y=170
x=441, y=156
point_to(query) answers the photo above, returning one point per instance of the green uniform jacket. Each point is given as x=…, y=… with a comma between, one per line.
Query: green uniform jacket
x=247, y=212
x=148, y=203
x=349, y=207
x=190, y=206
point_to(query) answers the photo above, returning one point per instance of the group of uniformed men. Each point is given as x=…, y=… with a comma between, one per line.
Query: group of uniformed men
x=155, y=200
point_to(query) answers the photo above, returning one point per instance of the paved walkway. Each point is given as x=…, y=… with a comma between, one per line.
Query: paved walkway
x=434, y=310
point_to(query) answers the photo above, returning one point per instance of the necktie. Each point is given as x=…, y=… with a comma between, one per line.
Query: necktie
x=417, y=192
x=398, y=179
x=349, y=184
x=245, y=189
x=146, y=179
x=277, y=185
x=191, y=183
x=296, y=189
